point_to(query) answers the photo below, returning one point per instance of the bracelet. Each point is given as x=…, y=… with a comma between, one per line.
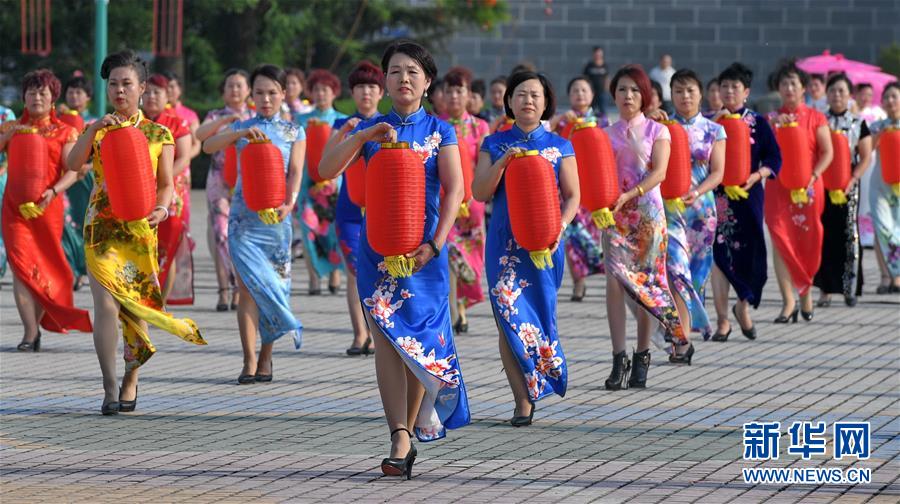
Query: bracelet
x=434, y=248
x=164, y=209
x=55, y=194
x=640, y=190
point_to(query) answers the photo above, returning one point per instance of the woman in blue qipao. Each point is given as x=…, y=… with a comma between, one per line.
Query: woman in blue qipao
x=415, y=360
x=523, y=297
x=259, y=251
x=691, y=232
x=739, y=249
x=367, y=88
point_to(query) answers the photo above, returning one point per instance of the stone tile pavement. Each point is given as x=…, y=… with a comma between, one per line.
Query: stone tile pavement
x=316, y=434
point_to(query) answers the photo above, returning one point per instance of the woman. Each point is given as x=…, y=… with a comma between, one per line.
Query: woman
x=869, y=112
x=261, y=252
x=691, y=232
x=884, y=203
x=184, y=112
x=584, y=257
x=739, y=249
x=42, y=280
x=121, y=257
x=294, y=103
x=841, y=269
x=635, y=249
x=465, y=243
x=416, y=364
x=6, y=115
x=176, y=264
x=523, y=297
x=367, y=88
x=318, y=200
x=714, y=102
x=235, y=88
x=796, y=228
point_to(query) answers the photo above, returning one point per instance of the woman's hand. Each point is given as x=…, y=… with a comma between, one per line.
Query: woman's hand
x=690, y=197
x=380, y=132
x=7, y=136
x=46, y=198
x=284, y=211
x=625, y=197
x=782, y=119
x=157, y=215
x=254, y=134
x=349, y=125
x=812, y=183
x=851, y=185
x=104, y=122
x=422, y=256
x=658, y=115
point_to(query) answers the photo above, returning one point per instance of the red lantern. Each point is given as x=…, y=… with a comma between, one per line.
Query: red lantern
x=889, y=154
x=796, y=160
x=678, y=173
x=229, y=169
x=837, y=176
x=468, y=172
x=262, y=176
x=317, y=134
x=597, y=173
x=737, y=156
x=27, y=178
x=73, y=119
x=395, y=205
x=356, y=182
x=569, y=127
x=130, y=180
x=533, y=199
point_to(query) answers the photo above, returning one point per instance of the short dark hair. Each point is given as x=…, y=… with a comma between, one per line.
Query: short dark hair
x=714, y=80
x=365, y=72
x=500, y=79
x=597, y=48
x=269, y=71
x=125, y=58
x=231, y=72
x=478, y=87
x=657, y=88
x=817, y=76
x=549, y=96
x=78, y=82
x=296, y=72
x=576, y=79
x=839, y=77
x=784, y=70
x=458, y=76
x=525, y=66
x=639, y=76
x=684, y=76
x=737, y=72
x=888, y=87
x=863, y=85
x=40, y=78
x=414, y=51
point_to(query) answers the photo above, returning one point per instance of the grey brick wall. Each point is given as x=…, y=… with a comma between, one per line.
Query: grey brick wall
x=705, y=35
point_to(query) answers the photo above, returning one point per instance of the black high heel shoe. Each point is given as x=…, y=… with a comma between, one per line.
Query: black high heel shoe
x=30, y=346
x=807, y=315
x=792, y=318
x=750, y=334
x=110, y=408
x=639, y=369
x=578, y=297
x=722, y=338
x=400, y=466
x=619, y=375
x=523, y=421
x=683, y=358
x=265, y=378
x=368, y=347
x=220, y=307
x=460, y=326
x=128, y=406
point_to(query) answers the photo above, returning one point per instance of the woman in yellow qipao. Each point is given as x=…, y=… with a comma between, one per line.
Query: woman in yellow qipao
x=122, y=256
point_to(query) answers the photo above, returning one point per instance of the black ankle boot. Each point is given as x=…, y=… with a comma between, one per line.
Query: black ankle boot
x=639, y=370
x=619, y=375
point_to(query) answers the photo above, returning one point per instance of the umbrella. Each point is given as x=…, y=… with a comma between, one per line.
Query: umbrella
x=877, y=79
x=826, y=63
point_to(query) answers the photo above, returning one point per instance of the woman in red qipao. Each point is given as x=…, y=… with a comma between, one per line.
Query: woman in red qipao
x=42, y=278
x=175, y=246
x=796, y=228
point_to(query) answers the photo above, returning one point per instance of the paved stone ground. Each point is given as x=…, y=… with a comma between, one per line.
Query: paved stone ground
x=316, y=434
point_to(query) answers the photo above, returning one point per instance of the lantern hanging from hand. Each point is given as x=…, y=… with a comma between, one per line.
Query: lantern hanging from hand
x=27, y=167
x=129, y=174
x=889, y=155
x=533, y=199
x=796, y=165
x=262, y=179
x=356, y=182
x=678, y=173
x=229, y=168
x=737, y=156
x=837, y=176
x=73, y=119
x=395, y=206
x=597, y=173
x=468, y=173
x=570, y=127
x=317, y=134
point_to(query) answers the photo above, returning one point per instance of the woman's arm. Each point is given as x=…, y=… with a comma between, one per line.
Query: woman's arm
x=81, y=151
x=570, y=191
x=450, y=174
x=211, y=126
x=659, y=156
x=338, y=136
x=864, y=147
x=195, y=142
x=64, y=182
x=337, y=158
x=488, y=175
x=716, y=172
x=165, y=186
x=182, y=154
x=294, y=177
x=823, y=142
x=226, y=138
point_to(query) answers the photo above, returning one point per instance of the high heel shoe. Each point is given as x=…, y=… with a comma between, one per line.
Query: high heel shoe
x=720, y=337
x=523, y=421
x=639, y=369
x=220, y=307
x=750, y=334
x=266, y=378
x=807, y=315
x=460, y=326
x=368, y=347
x=333, y=289
x=619, y=375
x=400, y=466
x=30, y=346
x=683, y=358
x=110, y=408
x=128, y=406
x=792, y=318
x=578, y=296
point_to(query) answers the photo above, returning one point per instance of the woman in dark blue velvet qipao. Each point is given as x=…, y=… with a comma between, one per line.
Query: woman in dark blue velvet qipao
x=523, y=297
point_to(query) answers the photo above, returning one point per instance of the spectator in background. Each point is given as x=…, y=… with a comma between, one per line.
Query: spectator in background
x=77, y=94
x=662, y=74
x=816, y=98
x=869, y=112
x=435, y=96
x=476, y=99
x=714, y=101
x=185, y=113
x=656, y=101
x=498, y=88
x=294, y=102
x=598, y=74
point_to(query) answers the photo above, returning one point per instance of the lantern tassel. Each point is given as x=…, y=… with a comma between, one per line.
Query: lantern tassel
x=675, y=205
x=30, y=210
x=464, y=209
x=542, y=259
x=837, y=197
x=896, y=189
x=362, y=211
x=799, y=196
x=735, y=193
x=400, y=266
x=603, y=218
x=139, y=228
x=269, y=216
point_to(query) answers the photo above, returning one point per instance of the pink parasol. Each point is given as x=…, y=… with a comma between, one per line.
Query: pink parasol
x=877, y=79
x=826, y=63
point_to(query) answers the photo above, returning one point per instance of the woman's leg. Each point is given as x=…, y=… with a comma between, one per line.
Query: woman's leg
x=882, y=265
x=106, y=334
x=248, y=321
x=514, y=376
x=461, y=308
x=264, y=363
x=784, y=283
x=720, y=287
x=646, y=325
x=615, y=312
x=170, y=281
x=454, y=305
x=128, y=390
x=310, y=270
x=30, y=311
x=357, y=318
x=222, y=279
x=415, y=392
x=683, y=313
x=334, y=279
x=390, y=370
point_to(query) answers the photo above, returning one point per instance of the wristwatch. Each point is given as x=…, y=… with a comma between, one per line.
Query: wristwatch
x=434, y=248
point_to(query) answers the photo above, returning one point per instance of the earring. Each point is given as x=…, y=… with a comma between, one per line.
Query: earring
x=141, y=102
x=426, y=94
